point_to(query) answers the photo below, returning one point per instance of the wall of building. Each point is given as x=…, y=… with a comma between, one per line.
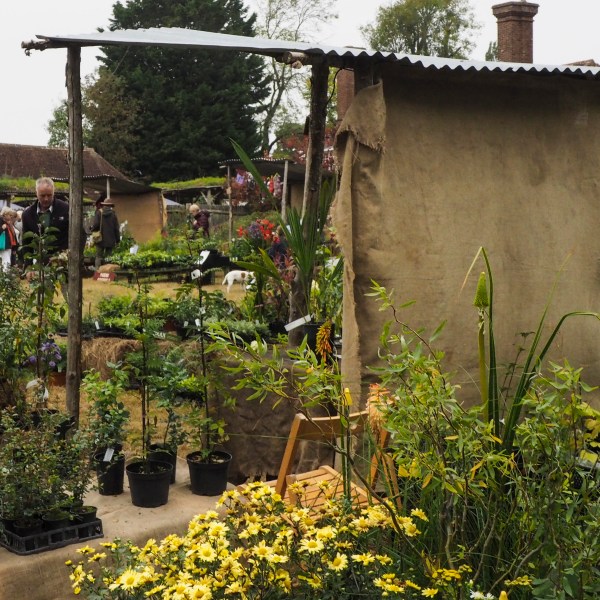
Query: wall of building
x=436, y=165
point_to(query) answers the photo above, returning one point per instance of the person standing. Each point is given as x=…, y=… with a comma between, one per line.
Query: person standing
x=203, y=220
x=200, y=220
x=46, y=212
x=8, y=217
x=106, y=222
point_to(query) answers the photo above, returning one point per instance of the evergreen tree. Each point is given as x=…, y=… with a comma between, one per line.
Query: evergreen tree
x=191, y=101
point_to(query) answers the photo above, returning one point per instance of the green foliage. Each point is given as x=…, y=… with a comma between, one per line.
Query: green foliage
x=263, y=369
x=491, y=54
x=186, y=309
x=17, y=338
x=424, y=27
x=326, y=296
x=304, y=235
x=150, y=259
x=508, y=513
x=107, y=414
x=194, y=100
x=174, y=385
x=39, y=469
x=26, y=184
x=525, y=372
x=246, y=330
x=111, y=118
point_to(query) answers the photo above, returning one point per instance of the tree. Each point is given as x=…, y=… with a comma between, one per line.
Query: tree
x=112, y=116
x=492, y=52
x=292, y=143
x=109, y=120
x=192, y=102
x=424, y=27
x=58, y=127
x=291, y=20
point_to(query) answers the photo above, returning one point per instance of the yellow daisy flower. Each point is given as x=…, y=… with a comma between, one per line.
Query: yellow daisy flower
x=339, y=563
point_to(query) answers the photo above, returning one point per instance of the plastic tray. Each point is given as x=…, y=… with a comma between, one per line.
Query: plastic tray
x=49, y=540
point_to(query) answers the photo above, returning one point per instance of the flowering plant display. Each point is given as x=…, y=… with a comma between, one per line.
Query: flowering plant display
x=50, y=357
x=265, y=548
x=259, y=233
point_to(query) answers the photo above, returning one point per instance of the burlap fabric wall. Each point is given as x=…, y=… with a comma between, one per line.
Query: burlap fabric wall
x=435, y=165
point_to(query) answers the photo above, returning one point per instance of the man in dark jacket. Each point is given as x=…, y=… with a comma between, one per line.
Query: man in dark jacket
x=106, y=222
x=48, y=211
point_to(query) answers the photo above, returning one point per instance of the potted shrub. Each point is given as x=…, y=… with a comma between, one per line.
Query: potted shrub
x=40, y=473
x=107, y=421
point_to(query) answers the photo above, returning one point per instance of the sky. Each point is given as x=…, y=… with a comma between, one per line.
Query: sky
x=564, y=31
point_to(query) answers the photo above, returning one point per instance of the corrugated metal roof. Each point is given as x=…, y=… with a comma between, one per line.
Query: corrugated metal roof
x=337, y=56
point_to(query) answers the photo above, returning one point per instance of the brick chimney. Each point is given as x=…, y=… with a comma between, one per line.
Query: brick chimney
x=345, y=92
x=515, y=30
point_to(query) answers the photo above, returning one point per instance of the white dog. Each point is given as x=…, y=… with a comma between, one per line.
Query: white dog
x=242, y=277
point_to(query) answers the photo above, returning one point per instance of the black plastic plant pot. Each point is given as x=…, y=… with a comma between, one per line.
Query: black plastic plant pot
x=149, y=482
x=110, y=474
x=208, y=478
x=158, y=452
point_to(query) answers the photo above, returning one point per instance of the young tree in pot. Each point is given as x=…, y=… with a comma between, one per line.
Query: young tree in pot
x=148, y=479
x=173, y=386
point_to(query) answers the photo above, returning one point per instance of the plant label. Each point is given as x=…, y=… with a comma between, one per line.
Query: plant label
x=108, y=454
x=203, y=256
x=298, y=322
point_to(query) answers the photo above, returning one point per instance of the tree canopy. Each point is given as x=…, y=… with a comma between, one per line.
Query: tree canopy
x=424, y=27
x=291, y=20
x=186, y=104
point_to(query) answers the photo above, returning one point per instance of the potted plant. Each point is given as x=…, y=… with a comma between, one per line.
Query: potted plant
x=40, y=472
x=107, y=420
x=208, y=465
x=149, y=479
x=173, y=387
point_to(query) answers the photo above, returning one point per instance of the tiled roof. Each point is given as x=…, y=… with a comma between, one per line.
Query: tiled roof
x=39, y=161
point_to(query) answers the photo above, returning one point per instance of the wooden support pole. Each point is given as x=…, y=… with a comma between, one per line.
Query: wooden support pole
x=230, y=206
x=284, y=190
x=76, y=241
x=312, y=181
x=316, y=136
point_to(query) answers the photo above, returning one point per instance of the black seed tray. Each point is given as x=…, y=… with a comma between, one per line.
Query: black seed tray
x=49, y=540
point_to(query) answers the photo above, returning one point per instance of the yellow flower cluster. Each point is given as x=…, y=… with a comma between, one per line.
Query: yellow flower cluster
x=258, y=546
